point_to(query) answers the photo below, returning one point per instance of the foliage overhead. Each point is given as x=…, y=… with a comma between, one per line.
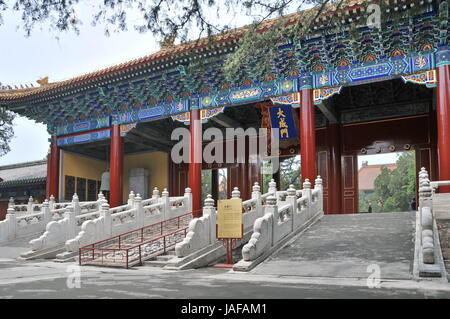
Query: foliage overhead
x=181, y=20
x=185, y=20
x=6, y=130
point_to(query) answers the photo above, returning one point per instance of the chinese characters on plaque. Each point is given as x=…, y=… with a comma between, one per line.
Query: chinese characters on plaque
x=281, y=118
x=229, y=218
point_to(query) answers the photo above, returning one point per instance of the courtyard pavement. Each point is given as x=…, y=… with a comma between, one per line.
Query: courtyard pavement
x=343, y=246
x=325, y=262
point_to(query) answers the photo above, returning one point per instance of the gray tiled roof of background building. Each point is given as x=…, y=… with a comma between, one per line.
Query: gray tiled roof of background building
x=23, y=172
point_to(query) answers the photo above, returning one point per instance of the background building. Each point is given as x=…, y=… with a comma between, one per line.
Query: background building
x=22, y=181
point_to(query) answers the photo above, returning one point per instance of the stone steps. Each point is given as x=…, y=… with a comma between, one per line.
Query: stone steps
x=447, y=267
x=161, y=260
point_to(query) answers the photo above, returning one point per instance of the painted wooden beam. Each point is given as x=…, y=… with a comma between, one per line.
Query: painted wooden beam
x=151, y=145
x=153, y=135
x=225, y=121
x=327, y=109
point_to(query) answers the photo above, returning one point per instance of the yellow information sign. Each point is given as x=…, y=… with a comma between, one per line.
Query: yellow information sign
x=229, y=218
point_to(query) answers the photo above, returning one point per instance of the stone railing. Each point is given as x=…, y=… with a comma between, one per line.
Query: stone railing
x=279, y=221
x=202, y=231
x=266, y=221
x=67, y=221
x=65, y=224
x=25, y=220
x=426, y=218
x=32, y=207
x=134, y=215
x=428, y=255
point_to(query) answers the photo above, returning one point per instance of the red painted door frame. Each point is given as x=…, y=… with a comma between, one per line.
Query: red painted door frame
x=335, y=175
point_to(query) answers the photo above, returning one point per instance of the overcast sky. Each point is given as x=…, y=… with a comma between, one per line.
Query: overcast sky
x=24, y=60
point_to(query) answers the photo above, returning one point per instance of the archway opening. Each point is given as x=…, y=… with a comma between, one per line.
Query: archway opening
x=387, y=182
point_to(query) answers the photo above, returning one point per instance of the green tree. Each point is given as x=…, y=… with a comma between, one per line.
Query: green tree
x=6, y=130
x=394, y=189
x=290, y=173
x=206, y=183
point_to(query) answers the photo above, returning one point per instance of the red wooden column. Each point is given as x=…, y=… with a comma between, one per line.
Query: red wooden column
x=53, y=170
x=443, y=122
x=443, y=114
x=307, y=136
x=335, y=175
x=195, y=161
x=116, y=167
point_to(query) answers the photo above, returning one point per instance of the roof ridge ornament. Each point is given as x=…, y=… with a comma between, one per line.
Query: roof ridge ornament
x=43, y=81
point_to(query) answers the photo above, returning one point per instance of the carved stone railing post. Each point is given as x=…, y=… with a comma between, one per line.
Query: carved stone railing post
x=188, y=196
x=107, y=220
x=306, y=192
x=30, y=205
x=100, y=199
x=137, y=204
x=272, y=186
x=69, y=215
x=11, y=202
x=425, y=190
x=427, y=235
x=210, y=210
x=291, y=199
x=166, y=204
x=235, y=194
x=256, y=194
x=271, y=208
x=131, y=197
x=155, y=194
x=47, y=215
x=319, y=186
x=426, y=217
x=12, y=223
x=51, y=202
x=76, y=205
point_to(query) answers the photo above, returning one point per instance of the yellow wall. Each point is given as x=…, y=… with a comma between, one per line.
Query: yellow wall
x=80, y=166
x=157, y=164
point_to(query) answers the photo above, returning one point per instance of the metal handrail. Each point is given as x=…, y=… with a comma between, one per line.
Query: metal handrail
x=92, y=247
x=142, y=228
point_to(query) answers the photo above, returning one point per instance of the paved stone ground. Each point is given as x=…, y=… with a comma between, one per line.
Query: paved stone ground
x=345, y=245
x=443, y=226
x=340, y=272
x=14, y=248
x=49, y=280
